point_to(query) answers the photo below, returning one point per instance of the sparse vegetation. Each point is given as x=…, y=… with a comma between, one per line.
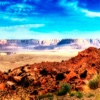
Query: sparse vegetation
x=90, y=95
x=79, y=94
x=64, y=89
x=50, y=96
x=94, y=82
x=72, y=94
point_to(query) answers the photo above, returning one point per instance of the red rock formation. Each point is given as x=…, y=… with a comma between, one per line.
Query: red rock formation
x=46, y=76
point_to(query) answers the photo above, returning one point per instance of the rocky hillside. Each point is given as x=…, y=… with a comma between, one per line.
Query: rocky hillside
x=33, y=44
x=45, y=77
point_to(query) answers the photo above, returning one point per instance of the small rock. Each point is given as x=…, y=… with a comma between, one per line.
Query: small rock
x=10, y=85
x=17, y=78
x=36, y=69
x=2, y=86
x=43, y=81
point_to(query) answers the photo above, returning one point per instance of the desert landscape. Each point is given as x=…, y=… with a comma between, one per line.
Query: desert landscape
x=20, y=59
x=49, y=50
x=50, y=75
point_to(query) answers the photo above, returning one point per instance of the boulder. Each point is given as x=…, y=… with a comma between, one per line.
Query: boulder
x=2, y=86
x=17, y=78
x=10, y=85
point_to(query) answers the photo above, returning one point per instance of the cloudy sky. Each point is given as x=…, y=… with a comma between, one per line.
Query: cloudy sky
x=49, y=19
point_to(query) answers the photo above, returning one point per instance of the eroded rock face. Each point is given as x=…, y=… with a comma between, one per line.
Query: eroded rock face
x=3, y=77
x=60, y=76
x=83, y=75
x=46, y=76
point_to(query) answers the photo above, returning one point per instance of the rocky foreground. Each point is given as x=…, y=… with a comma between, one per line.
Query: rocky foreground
x=45, y=77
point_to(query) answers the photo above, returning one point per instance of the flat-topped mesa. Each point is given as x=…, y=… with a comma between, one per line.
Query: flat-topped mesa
x=49, y=44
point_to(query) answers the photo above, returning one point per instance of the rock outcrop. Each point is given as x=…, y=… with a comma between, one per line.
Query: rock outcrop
x=41, y=78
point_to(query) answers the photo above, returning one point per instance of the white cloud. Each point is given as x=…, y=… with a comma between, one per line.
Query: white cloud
x=27, y=26
x=19, y=31
x=90, y=13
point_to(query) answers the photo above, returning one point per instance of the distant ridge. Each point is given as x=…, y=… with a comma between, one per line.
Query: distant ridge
x=53, y=44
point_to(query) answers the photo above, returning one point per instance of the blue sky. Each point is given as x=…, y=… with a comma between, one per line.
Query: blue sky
x=45, y=19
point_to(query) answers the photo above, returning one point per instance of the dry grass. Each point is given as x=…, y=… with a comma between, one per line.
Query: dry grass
x=23, y=95
x=87, y=95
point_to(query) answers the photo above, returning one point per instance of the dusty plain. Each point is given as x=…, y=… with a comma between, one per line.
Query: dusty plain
x=22, y=58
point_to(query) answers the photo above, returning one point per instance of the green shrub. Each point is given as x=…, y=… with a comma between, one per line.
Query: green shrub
x=72, y=94
x=90, y=95
x=79, y=94
x=64, y=89
x=93, y=84
x=48, y=95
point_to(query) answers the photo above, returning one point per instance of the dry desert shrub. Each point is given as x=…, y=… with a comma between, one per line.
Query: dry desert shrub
x=64, y=89
x=94, y=82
